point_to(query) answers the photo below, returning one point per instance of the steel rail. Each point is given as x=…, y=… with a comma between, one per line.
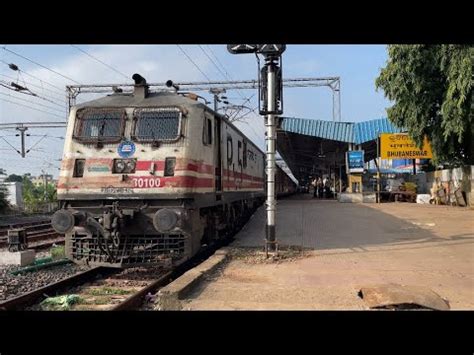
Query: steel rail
x=25, y=300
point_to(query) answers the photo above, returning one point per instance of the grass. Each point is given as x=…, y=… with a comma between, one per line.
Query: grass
x=107, y=291
x=58, y=252
x=60, y=303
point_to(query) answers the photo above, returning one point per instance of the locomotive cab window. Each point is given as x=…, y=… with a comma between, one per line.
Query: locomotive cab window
x=207, y=131
x=157, y=124
x=99, y=125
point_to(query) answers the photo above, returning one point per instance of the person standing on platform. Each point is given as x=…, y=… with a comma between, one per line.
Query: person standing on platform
x=325, y=181
x=315, y=188
x=320, y=187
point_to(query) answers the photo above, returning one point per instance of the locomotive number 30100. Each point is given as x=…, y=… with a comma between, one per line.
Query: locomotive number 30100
x=146, y=182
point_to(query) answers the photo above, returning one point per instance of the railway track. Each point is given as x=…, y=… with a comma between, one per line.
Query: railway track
x=98, y=289
x=107, y=289
x=40, y=234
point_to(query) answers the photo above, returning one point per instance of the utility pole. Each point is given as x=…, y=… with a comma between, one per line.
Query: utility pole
x=22, y=127
x=378, y=168
x=270, y=104
x=271, y=153
x=216, y=92
x=22, y=135
x=44, y=185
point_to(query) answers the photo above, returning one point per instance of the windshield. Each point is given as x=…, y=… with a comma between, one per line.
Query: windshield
x=157, y=124
x=99, y=125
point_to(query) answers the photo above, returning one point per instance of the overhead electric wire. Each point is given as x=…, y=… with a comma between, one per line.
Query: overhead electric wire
x=30, y=75
x=16, y=150
x=247, y=100
x=225, y=70
x=227, y=76
x=224, y=73
x=197, y=66
x=41, y=65
x=30, y=93
x=33, y=103
x=40, y=87
x=47, y=136
x=107, y=65
x=37, y=142
x=32, y=108
x=213, y=62
x=218, y=61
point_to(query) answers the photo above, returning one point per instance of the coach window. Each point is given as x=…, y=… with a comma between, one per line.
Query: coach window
x=207, y=131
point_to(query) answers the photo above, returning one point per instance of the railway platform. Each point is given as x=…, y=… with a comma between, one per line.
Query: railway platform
x=345, y=247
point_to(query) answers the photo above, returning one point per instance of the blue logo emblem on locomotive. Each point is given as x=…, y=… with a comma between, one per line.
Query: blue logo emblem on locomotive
x=126, y=149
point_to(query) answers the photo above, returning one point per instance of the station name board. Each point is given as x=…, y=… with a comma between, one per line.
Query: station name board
x=401, y=146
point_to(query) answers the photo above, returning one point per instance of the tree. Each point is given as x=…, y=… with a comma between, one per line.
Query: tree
x=4, y=205
x=14, y=178
x=36, y=197
x=432, y=90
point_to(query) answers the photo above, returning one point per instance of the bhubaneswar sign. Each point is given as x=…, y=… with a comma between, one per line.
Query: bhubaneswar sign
x=400, y=146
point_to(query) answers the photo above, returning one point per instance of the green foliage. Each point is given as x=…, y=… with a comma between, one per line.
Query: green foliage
x=14, y=178
x=4, y=205
x=60, y=302
x=35, y=197
x=431, y=87
x=58, y=252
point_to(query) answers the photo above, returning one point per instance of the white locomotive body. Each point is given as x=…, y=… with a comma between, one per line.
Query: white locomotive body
x=151, y=177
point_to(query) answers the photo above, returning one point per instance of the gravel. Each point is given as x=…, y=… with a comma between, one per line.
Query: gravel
x=257, y=255
x=15, y=285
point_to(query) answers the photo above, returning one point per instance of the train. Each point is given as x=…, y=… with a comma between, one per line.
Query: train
x=150, y=177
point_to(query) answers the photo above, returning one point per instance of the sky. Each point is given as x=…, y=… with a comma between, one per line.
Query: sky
x=356, y=65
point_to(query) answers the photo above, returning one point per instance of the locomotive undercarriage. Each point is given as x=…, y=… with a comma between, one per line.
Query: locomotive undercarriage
x=133, y=233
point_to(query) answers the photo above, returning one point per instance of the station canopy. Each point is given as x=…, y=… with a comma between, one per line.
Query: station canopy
x=312, y=146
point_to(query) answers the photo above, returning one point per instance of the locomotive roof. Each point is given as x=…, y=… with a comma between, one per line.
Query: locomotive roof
x=153, y=99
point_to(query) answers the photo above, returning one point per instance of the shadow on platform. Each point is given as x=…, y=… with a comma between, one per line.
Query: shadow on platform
x=321, y=224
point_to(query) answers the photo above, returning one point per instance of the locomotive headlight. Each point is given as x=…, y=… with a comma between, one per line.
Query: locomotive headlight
x=130, y=165
x=165, y=220
x=119, y=166
x=124, y=166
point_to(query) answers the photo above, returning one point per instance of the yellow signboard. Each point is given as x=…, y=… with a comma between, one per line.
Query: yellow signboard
x=401, y=146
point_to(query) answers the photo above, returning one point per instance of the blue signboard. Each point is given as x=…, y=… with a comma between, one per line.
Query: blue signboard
x=126, y=149
x=355, y=161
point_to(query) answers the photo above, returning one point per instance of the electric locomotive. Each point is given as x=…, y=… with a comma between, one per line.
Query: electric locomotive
x=148, y=177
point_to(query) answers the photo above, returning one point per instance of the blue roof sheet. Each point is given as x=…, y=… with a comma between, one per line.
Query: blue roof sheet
x=369, y=130
x=350, y=132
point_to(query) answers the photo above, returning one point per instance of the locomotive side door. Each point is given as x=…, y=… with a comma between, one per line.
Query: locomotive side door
x=218, y=157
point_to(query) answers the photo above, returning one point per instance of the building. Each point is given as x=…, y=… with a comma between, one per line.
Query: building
x=15, y=194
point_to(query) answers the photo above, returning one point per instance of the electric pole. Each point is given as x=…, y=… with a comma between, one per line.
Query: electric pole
x=216, y=92
x=22, y=135
x=377, y=163
x=22, y=127
x=270, y=87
